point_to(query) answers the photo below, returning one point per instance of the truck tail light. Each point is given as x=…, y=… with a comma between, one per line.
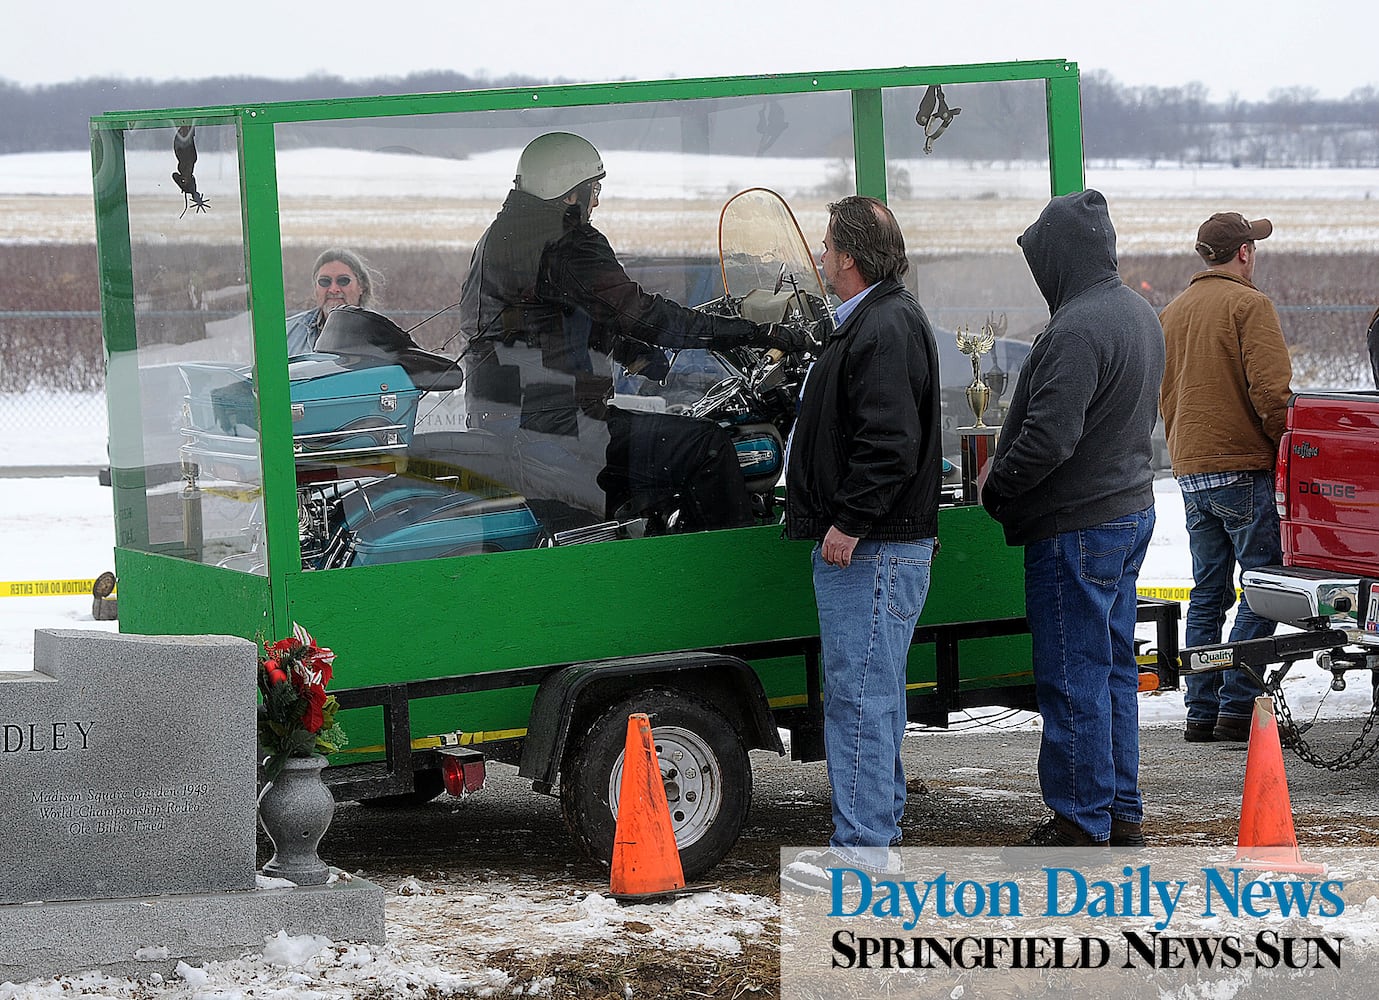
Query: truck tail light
x=1281, y=476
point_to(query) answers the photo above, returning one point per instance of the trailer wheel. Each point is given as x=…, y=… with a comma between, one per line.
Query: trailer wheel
x=704, y=765
x=426, y=785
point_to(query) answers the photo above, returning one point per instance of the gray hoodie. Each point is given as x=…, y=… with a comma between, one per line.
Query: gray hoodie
x=1075, y=451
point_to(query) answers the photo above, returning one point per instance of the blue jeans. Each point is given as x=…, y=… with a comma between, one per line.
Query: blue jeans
x=867, y=615
x=1227, y=525
x=1081, y=603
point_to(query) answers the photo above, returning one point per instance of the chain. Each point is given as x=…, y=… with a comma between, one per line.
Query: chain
x=1348, y=759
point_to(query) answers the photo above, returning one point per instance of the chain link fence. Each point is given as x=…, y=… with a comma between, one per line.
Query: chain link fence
x=51, y=427
x=52, y=389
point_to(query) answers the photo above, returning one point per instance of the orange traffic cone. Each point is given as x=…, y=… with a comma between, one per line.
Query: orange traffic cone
x=646, y=862
x=1267, y=841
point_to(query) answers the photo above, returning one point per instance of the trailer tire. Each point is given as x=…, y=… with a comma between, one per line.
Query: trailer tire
x=426, y=785
x=703, y=762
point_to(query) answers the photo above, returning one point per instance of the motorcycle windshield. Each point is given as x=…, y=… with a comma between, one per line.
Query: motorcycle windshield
x=761, y=247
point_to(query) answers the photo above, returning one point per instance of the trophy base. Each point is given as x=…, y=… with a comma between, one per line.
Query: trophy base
x=978, y=448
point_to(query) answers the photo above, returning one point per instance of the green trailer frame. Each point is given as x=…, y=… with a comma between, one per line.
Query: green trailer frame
x=453, y=651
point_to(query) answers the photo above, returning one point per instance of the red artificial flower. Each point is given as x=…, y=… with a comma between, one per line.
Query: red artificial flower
x=313, y=720
x=318, y=661
x=297, y=716
x=284, y=648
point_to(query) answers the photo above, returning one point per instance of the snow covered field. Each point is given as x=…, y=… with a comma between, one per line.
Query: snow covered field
x=659, y=203
x=653, y=175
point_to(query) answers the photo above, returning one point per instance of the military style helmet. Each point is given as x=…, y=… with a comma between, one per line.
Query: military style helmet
x=556, y=163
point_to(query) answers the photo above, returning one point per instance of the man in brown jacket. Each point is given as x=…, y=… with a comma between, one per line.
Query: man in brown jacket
x=1224, y=398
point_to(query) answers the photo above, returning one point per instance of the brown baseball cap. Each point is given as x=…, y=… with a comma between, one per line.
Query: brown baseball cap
x=1221, y=236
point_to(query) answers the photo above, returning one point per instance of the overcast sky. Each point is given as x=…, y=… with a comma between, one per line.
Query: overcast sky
x=1248, y=49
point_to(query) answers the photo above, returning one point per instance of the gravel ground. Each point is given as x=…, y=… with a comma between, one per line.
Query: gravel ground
x=973, y=788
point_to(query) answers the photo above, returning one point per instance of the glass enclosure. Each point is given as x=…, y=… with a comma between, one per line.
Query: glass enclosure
x=575, y=420
x=467, y=362
x=961, y=205
x=184, y=445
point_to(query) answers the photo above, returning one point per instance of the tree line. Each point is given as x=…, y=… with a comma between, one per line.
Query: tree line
x=56, y=116
x=1177, y=124
x=1293, y=128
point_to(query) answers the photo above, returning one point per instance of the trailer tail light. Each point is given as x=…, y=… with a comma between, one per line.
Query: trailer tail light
x=463, y=770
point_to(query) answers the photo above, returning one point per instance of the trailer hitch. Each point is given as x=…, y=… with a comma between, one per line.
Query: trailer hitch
x=1256, y=656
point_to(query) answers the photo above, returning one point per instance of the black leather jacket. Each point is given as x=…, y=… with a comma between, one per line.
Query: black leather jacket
x=542, y=276
x=865, y=452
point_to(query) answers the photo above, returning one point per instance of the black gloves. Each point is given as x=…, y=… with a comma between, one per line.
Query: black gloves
x=789, y=338
x=637, y=358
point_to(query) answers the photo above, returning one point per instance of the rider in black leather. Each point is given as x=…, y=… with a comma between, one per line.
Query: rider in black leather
x=547, y=310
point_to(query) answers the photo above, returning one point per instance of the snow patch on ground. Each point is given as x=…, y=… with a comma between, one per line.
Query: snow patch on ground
x=437, y=939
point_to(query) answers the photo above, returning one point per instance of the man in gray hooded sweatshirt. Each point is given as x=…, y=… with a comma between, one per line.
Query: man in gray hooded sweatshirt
x=1072, y=482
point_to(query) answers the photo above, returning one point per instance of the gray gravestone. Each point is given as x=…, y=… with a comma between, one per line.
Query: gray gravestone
x=128, y=793
x=128, y=764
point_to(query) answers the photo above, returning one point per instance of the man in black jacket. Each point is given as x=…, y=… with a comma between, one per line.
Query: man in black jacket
x=862, y=480
x=547, y=311
x=1072, y=482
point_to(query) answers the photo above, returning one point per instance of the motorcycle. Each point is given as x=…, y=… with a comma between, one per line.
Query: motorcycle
x=371, y=490
x=769, y=276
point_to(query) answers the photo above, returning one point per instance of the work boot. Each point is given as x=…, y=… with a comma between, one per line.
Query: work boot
x=1126, y=834
x=1055, y=841
x=1059, y=832
x=1231, y=729
x=1200, y=732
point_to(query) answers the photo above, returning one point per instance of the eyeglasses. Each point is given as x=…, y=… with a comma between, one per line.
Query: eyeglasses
x=343, y=280
x=597, y=189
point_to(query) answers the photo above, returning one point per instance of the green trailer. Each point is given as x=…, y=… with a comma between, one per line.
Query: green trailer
x=533, y=653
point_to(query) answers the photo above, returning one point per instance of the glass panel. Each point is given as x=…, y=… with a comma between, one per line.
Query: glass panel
x=186, y=462
x=961, y=207
x=590, y=407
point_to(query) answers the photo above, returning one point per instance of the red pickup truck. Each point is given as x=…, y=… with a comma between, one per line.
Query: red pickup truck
x=1326, y=486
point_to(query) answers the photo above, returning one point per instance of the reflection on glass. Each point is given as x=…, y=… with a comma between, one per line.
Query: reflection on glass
x=186, y=466
x=961, y=207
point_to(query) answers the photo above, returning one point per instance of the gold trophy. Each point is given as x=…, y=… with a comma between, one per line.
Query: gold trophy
x=978, y=441
x=974, y=346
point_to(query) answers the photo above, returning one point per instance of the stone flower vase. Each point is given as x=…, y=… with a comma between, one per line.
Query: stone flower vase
x=295, y=811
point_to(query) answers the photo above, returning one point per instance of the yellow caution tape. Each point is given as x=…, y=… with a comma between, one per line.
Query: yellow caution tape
x=51, y=588
x=45, y=588
x=1172, y=593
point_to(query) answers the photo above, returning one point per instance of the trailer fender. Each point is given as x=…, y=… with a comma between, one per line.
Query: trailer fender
x=578, y=691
